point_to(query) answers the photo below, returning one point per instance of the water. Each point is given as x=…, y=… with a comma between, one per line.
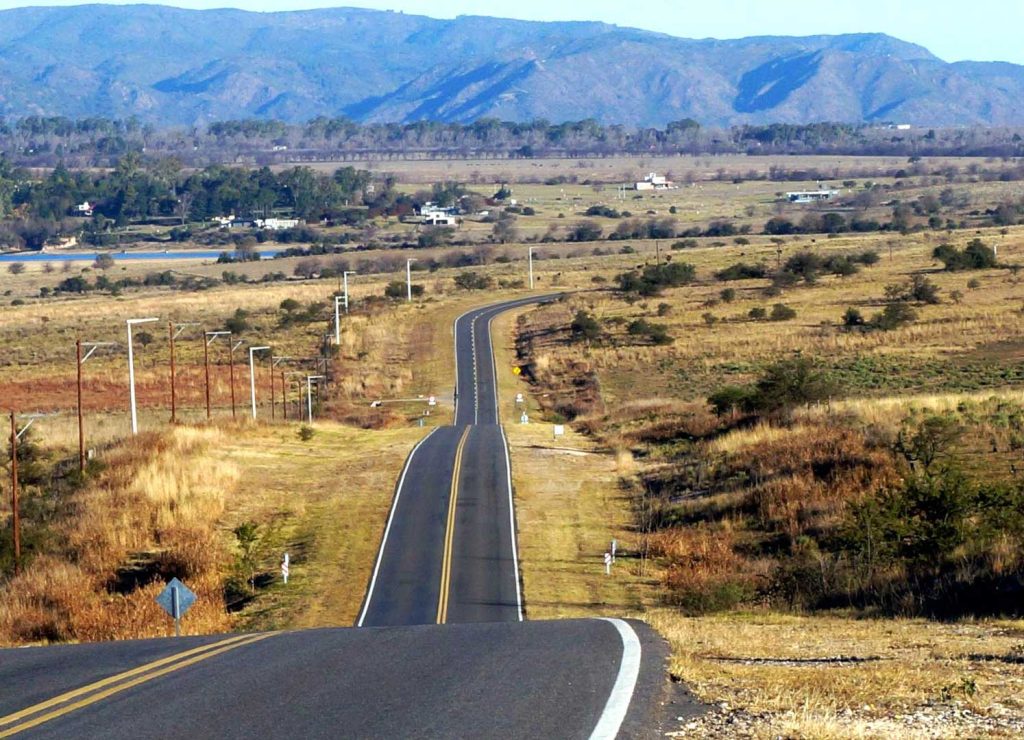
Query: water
x=192, y=254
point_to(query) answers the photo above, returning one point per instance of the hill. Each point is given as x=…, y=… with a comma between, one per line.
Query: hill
x=174, y=66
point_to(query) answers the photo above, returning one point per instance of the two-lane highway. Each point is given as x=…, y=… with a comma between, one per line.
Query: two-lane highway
x=449, y=552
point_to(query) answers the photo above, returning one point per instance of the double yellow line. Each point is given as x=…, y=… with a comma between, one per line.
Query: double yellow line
x=449, y=535
x=83, y=696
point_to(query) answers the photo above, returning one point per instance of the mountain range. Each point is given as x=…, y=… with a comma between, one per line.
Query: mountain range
x=170, y=66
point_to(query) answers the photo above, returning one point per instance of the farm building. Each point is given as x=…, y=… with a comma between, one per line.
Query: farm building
x=812, y=196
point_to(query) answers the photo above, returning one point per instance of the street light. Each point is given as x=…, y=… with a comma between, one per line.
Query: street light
x=408, y=279
x=344, y=277
x=530, y=253
x=309, y=393
x=173, y=332
x=131, y=370
x=252, y=377
x=210, y=338
x=93, y=346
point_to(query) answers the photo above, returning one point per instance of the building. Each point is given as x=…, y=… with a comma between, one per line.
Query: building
x=432, y=215
x=276, y=224
x=654, y=181
x=84, y=209
x=812, y=196
x=224, y=222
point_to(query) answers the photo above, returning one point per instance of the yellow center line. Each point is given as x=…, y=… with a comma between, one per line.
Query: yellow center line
x=75, y=693
x=449, y=537
x=198, y=654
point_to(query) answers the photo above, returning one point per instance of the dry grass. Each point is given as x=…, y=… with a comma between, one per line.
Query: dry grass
x=777, y=667
x=157, y=503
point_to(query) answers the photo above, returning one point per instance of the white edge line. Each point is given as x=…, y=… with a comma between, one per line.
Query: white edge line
x=512, y=523
x=619, y=699
x=387, y=529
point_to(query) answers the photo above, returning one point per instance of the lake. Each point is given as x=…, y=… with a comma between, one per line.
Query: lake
x=192, y=254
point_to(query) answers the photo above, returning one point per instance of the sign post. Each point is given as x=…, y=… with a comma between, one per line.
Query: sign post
x=607, y=563
x=176, y=599
x=284, y=568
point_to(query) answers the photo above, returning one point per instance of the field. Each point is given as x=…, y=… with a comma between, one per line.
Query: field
x=730, y=527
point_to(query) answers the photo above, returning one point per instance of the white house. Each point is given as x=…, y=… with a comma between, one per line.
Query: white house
x=654, y=181
x=812, y=196
x=84, y=209
x=276, y=224
x=224, y=221
x=432, y=215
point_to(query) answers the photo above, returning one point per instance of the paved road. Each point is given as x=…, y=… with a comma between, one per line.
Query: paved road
x=448, y=556
x=533, y=680
x=449, y=552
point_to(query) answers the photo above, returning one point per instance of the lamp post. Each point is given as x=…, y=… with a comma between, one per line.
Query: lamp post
x=252, y=377
x=344, y=277
x=93, y=346
x=210, y=338
x=408, y=279
x=530, y=255
x=309, y=394
x=131, y=370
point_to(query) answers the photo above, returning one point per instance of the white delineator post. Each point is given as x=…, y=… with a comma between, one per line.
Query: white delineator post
x=607, y=563
x=284, y=568
x=252, y=377
x=131, y=371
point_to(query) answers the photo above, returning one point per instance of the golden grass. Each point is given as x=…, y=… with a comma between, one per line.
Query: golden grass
x=157, y=502
x=908, y=665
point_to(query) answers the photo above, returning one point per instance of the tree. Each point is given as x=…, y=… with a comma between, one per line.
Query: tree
x=585, y=231
x=781, y=312
x=790, y=383
x=585, y=327
x=505, y=230
x=103, y=262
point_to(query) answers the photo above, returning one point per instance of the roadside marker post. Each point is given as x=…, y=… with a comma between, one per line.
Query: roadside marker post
x=559, y=431
x=284, y=569
x=519, y=399
x=615, y=546
x=176, y=599
x=607, y=563
x=524, y=419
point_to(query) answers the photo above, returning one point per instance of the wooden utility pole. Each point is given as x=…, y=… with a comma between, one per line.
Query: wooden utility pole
x=206, y=365
x=16, y=518
x=174, y=397
x=284, y=396
x=231, y=373
x=81, y=425
x=272, y=399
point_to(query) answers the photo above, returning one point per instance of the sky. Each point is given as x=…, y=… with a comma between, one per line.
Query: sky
x=954, y=30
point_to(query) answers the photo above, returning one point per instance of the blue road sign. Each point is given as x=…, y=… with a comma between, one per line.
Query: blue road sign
x=176, y=599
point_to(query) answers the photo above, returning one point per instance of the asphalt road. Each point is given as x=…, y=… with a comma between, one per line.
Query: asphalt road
x=449, y=550
x=448, y=557
x=533, y=680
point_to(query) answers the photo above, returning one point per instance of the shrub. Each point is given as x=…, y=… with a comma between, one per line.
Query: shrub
x=782, y=312
x=975, y=256
x=742, y=271
x=472, y=281
x=728, y=295
x=853, y=318
x=894, y=316
x=306, y=432
x=289, y=304
x=732, y=399
x=757, y=314
x=239, y=322
x=654, y=278
x=709, y=318
x=585, y=327
x=16, y=268
x=684, y=244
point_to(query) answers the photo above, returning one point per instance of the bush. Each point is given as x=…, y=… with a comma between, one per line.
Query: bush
x=975, y=256
x=16, y=268
x=782, y=312
x=289, y=304
x=239, y=322
x=585, y=327
x=684, y=244
x=654, y=278
x=473, y=281
x=732, y=399
x=728, y=295
x=853, y=318
x=757, y=314
x=306, y=432
x=396, y=289
x=742, y=271
x=894, y=316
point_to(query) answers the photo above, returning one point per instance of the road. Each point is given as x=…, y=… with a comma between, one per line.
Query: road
x=448, y=558
x=449, y=552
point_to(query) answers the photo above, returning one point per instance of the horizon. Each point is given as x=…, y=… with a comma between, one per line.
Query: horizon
x=978, y=36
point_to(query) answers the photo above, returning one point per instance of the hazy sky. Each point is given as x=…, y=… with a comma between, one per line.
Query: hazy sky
x=983, y=30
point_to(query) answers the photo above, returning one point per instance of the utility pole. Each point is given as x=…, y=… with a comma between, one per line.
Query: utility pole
x=529, y=252
x=173, y=332
x=93, y=346
x=284, y=396
x=344, y=275
x=231, y=374
x=16, y=518
x=209, y=338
